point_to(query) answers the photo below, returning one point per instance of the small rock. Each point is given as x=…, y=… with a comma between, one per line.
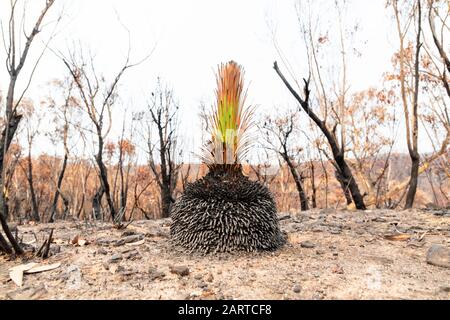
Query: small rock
x=133, y=255
x=104, y=242
x=102, y=251
x=115, y=258
x=307, y=244
x=119, y=243
x=154, y=274
x=445, y=289
x=179, y=270
x=116, y=268
x=441, y=213
x=282, y=217
x=296, y=288
x=335, y=254
x=318, y=296
x=198, y=276
x=209, y=278
x=319, y=252
x=133, y=238
x=439, y=256
x=127, y=233
x=202, y=284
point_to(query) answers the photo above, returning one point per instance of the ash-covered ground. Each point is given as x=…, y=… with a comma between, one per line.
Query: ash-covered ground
x=376, y=254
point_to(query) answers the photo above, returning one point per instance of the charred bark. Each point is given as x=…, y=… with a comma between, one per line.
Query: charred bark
x=313, y=186
x=298, y=184
x=344, y=186
x=58, y=188
x=338, y=153
x=6, y=138
x=103, y=176
x=413, y=147
x=34, y=205
x=97, y=203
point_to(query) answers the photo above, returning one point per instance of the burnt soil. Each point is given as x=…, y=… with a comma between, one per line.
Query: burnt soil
x=329, y=255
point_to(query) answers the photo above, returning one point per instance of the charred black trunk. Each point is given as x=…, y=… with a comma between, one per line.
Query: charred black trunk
x=349, y=181
x=224, y=212
x=58, y=188
x=298, y=179
x=5, y=141
x=166, y=201
x=4, y=247
x=344, y=186
x=313, y=187
x=34, y=204
x=97, y=203
x=338, y=152
x=415, y=163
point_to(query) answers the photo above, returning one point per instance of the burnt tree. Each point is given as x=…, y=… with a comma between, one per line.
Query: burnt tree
x=97, y=98
x=337, y=150
x=282, y=130
x=15, y=60
x=162, y=153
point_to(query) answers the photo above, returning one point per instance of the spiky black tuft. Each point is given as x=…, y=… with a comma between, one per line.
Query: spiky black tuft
x=225, y=212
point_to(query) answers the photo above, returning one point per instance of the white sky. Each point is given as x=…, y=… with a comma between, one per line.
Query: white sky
x=190, y=38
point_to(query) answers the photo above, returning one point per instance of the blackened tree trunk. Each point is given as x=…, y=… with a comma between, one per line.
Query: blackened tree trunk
x=348, y=179
x=281, y=130
x=97, y=203
x=313, y=186
x=58, y=187
x=4, y=247
x=338, y=152
x=81, y=207
x=164, y=111
x=103, y=175
x=86, y=81
x=6, y=138
x=413, y=147
x=34, y=204
x=414, y=177
x=344, y=186
x=8, y=233
x=167, y=201
x=166, y=177
x=123, y=187
x=14, y=63
x=298, y=184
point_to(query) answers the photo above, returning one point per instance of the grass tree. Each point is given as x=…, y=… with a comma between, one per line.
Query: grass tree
x=225, y=210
